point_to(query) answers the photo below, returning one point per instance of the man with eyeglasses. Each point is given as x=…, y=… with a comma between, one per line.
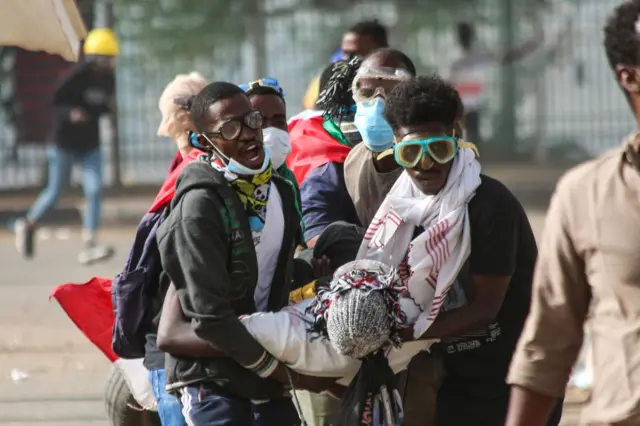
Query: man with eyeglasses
x=227, y=246
x=462, y=241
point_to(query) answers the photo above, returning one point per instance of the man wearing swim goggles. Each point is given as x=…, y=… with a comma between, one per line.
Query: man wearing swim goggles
x=483, y=314
x=427, y=158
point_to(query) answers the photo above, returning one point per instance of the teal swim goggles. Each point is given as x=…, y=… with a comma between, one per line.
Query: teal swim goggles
x=440, y=149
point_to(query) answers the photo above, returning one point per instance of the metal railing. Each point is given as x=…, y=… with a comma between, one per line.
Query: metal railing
x=559, y=102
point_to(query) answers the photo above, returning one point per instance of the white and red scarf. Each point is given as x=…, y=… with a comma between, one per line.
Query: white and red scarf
x=430, y=263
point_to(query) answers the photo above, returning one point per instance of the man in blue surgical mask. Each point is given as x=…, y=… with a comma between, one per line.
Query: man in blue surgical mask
x=369, y=172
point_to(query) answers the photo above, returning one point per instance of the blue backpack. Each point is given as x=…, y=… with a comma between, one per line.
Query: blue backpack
x=135, y=289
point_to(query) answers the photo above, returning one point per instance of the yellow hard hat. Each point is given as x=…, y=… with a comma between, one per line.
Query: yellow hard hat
x=101, y=41
x=311, y=96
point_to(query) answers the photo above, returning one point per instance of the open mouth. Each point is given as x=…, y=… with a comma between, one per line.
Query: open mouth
x=253, y=152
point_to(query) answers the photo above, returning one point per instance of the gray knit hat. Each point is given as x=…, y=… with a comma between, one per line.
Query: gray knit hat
x=359, y=311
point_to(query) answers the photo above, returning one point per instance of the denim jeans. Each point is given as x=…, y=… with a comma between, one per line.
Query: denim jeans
x=169, y=408
x=210, y=405
x=61, y=163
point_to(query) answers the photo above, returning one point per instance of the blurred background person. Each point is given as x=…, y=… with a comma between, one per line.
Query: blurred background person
x=85, y=94
x=469, y=73
x=360, y=40
x=176, y=123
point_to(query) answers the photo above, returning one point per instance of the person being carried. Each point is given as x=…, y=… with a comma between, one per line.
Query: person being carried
x=82, y=97
x=443, y=222
x=227, y=246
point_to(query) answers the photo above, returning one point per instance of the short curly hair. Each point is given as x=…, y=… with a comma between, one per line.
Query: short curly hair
x=621, y=37
x=420, y=100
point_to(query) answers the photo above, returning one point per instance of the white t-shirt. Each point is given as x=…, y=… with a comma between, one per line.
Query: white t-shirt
x=267, y=244
x=470, y=74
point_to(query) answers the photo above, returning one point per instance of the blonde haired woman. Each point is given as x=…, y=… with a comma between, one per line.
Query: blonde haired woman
x=174, y=106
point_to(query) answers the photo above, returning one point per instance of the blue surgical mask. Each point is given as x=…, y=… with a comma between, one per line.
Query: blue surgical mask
x=376, y=133
x=234, y=167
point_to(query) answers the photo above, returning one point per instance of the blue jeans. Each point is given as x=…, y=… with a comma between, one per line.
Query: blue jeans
x=61, y=163
x=169, y=408
x=210, y=405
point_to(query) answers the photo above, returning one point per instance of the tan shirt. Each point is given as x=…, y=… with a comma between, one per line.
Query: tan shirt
x=366, y=186
x=589, y=263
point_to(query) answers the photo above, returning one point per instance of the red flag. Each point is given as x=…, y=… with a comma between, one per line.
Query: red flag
x=312, y=146
x=168, y=188
x=89, y=305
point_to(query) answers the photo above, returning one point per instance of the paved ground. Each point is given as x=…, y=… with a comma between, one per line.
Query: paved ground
x=49, y=374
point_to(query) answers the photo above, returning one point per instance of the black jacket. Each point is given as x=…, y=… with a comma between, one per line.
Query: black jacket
x=207, y=251
x=89, y=89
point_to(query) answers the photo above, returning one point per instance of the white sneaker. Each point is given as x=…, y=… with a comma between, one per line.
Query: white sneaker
x=24, y=237
x=95, y=253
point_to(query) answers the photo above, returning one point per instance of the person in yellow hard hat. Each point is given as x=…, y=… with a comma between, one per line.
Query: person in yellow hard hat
x=83, y=95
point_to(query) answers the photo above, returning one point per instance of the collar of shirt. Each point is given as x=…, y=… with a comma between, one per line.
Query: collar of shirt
x=631, y=153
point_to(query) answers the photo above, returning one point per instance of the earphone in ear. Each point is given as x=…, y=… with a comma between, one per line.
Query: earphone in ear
x=195, y=142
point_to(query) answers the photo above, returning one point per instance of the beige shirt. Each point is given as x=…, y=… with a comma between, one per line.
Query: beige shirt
x=366, y=186
x=589, y=263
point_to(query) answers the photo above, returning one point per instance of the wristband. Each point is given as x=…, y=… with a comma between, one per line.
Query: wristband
x=265, y=366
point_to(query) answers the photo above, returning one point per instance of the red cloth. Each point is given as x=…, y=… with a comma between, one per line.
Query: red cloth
x=175, y=162
x=89, y=305
x=312, y=146
x=168, y=188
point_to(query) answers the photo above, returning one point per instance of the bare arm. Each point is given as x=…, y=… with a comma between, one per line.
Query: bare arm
x=525, y=48
x=529, y=408
x=488, y=295
x=554, y=330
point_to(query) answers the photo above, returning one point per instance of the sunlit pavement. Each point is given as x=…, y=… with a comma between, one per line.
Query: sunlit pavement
x=49, y=373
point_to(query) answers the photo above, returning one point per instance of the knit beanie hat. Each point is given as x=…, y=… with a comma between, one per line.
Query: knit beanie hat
x=359, y=310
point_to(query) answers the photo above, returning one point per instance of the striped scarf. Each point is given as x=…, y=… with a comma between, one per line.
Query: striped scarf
x=430, y=263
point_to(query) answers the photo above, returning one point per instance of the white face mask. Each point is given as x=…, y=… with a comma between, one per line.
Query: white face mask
x=277, y=141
